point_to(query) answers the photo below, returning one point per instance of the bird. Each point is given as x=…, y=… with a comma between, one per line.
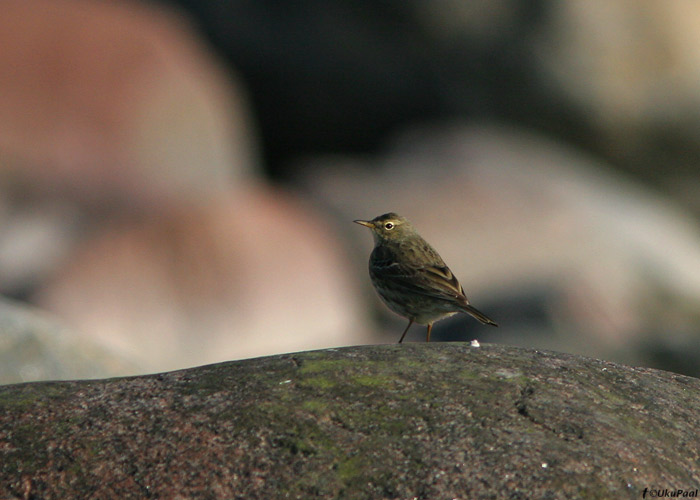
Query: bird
x=410, y=276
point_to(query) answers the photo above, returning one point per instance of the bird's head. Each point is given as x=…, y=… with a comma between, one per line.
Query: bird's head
x=388, y=227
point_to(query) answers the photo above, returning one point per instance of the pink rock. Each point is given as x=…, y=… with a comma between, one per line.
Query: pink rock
x=115, y=102
x=251, y=273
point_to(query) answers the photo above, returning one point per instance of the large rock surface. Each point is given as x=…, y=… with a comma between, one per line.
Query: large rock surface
x=398, y=421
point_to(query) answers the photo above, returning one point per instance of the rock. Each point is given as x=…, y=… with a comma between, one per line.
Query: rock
x=207, y=283
x=35, y=238
x=36, y=346
x=618, y=78
x=396, y=421
x=645, y=116
x=117, y=104
x=107, y=110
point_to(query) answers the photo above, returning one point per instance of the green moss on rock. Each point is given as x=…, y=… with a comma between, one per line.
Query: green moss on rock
x=410, y=421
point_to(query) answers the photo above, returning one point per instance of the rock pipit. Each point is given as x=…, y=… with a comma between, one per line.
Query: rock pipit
x=411, y=277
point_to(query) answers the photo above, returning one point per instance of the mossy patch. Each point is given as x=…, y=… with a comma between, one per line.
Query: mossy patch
x=409, y=421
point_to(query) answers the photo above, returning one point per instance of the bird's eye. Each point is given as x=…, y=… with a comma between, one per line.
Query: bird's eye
x=389, y=226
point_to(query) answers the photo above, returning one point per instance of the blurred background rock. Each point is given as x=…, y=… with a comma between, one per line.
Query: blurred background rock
x=177, y=179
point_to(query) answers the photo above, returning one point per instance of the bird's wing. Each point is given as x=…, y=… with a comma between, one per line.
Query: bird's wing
x=436, y=281
x=443, y=279
x=431, y=280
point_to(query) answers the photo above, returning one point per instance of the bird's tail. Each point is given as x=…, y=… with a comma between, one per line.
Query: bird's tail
x=469, y=309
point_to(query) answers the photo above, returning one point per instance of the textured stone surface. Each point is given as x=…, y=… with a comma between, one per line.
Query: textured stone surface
x=411, y=421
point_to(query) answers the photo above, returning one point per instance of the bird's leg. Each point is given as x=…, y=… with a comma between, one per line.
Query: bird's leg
x=410, y=322
x=430, y=327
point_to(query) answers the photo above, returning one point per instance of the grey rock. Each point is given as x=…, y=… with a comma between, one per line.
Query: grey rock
x=35, y=346
x=396, y=421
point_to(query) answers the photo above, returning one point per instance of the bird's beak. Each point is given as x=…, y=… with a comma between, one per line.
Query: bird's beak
x=365, y=223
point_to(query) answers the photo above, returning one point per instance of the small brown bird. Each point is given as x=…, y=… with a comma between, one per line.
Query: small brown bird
x=411, y=277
